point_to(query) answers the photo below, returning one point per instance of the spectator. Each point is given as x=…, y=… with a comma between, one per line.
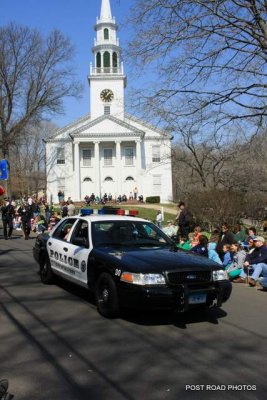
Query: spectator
x=251, y=233
x=201, y=248
x=184, y=244
x=170, y=230
x=47, y=213
x=212, y=253
x=238, y=255
x=184, y=220
x=240, y=233
x=135, y=191
x=227, y=258
x=60, y=196
x=159, y=219
x=71, y=209
x=8, y=215
x=257, y=260
x=196, y=236
x=64, y=210
x=26, y=213
x=41, y=223
x=225, y=237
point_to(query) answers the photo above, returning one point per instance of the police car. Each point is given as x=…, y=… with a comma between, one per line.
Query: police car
x=129, y=262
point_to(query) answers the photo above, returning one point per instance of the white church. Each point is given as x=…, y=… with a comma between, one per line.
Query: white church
x=108, y=151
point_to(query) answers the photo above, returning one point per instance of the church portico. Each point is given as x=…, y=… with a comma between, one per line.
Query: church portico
x=105, y=167
x=108, y=151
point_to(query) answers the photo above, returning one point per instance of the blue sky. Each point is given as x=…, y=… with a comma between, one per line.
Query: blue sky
x=76, y=19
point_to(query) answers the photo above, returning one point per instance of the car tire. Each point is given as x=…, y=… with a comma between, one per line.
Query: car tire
x=46, y=273
x=106, y=296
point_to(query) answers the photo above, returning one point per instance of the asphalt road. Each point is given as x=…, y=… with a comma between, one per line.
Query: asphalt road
x=54, y=345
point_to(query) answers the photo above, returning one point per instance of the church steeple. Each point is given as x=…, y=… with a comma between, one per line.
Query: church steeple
x=105, y=14
x=107, y=80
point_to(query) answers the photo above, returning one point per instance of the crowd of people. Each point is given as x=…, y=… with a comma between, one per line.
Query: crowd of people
x=94, y=199
x=32, y=215
x=241, y=252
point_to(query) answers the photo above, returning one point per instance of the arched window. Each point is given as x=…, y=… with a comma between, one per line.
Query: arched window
x=106, y=59
x=114, y=60
x=87, y=179
x=98, y=60
x=108, y=179
x=129, y=178
x=106, y=33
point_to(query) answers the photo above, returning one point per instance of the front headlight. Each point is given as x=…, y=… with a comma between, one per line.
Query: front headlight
x=143, y=279
x=219, y=275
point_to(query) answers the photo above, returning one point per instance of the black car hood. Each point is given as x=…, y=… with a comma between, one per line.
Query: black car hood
x=154, y=260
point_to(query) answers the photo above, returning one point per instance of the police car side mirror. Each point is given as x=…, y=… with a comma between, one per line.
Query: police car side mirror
x=80, y=241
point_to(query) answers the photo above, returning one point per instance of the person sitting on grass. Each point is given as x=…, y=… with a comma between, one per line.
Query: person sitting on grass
x=257, y=261
x=227, y=258
x=239, y=256
x=212, y=253
x=184, y=244
x=202, y=247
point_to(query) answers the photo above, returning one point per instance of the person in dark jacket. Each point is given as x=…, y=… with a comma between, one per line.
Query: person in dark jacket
x=184, y=220
x=225, y=237
x=8, y=215
x=202, y=247
x=257, y=261
x=26, y=213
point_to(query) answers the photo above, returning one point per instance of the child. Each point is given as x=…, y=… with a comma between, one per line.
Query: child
x=213, y=255
x=227, y=257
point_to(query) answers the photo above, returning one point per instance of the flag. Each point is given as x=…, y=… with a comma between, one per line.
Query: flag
x=3, y=169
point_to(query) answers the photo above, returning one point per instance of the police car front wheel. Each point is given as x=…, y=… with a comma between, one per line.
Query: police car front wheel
x=46, y=273
x=106, y=296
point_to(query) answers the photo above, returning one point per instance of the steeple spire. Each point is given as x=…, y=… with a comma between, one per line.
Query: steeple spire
x=105, y=14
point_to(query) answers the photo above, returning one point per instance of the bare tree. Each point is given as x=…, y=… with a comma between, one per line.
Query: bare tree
x=208, y=54
x=27, y=160
x=35, y=75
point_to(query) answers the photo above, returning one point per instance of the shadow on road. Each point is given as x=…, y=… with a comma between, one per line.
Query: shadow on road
x=149, y=318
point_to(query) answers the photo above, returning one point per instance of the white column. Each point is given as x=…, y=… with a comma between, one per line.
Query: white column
x=118, y=168
x=138, y=155
x=139, y=174
x=77, y=175
x=97, y=170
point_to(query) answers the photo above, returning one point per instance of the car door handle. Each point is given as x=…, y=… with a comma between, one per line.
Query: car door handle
x=65, y=248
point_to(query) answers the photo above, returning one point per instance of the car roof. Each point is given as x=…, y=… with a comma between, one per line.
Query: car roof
x=109, y=217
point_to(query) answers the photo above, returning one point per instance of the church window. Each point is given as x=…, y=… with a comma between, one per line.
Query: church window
x=114, y=60
x=129, y=178
x=106, y=110
x=156, y=179
x=106, y=59
x=60, y=155
x=87, y=179
x=106, y=33
x=98, y=60
x=87, y=155
x=129, y=156
x=155, y=154
x=107, y=157
x=108, y=179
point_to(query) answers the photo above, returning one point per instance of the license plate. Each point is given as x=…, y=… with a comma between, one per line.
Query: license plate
x=197, y=298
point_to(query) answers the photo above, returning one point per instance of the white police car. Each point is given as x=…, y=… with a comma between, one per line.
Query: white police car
x=129, y=262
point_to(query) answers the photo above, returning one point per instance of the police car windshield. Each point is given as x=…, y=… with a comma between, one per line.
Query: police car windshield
x=128, y=233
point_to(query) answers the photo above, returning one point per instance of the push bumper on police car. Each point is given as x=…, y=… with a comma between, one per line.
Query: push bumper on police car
x=179, y=297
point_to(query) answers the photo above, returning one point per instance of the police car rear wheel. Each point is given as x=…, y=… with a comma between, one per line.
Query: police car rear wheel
x=106, y=296
x=46, y=272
